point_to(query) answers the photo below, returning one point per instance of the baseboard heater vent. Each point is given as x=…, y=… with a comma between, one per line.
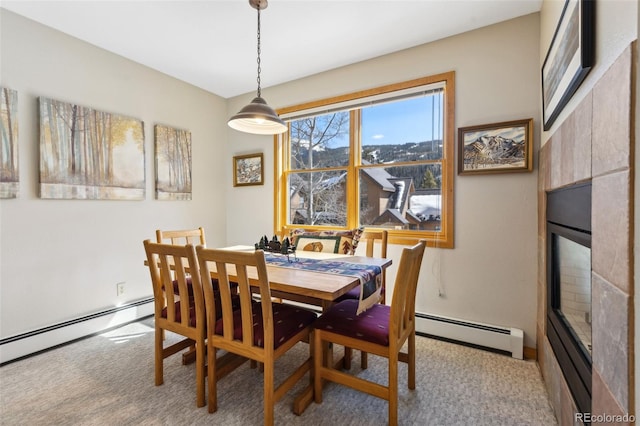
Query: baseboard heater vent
x=485, y=335
x=23, y=345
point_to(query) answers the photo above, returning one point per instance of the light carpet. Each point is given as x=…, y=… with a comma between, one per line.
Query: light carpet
x=108, y=380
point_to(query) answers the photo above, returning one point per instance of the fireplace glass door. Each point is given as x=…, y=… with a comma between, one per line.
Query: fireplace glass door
x=575, y=289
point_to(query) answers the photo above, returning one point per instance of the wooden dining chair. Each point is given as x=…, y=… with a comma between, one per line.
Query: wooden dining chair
x=182, y=313
x=381, y=330
x=260, y=331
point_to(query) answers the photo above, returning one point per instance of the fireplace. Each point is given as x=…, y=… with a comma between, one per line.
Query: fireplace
x=569, y=286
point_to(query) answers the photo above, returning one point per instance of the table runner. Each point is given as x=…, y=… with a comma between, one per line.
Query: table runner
x=370, y=275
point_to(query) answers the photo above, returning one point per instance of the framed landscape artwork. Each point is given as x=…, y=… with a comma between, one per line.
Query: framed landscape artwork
x=173, y=163
x=569, y=58
x=248, y=170
x=89, y=154
x=9, y=176
x=496, y=148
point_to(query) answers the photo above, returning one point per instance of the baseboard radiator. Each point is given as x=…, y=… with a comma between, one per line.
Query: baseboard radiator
x=478, y=334
x=35, y=341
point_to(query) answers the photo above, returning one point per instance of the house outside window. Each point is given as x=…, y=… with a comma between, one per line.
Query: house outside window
x=382, y=158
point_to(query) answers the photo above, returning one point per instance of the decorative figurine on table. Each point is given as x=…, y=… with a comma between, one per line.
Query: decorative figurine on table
x=274, y=246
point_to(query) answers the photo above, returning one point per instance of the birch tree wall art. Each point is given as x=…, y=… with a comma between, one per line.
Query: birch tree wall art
x=89, y=154
x=9, y=177
x=173, y=163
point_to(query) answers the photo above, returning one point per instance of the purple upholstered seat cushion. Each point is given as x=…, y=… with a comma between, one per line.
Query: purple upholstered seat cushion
x=287, y=321
x=235, y=303
x=354, y=293
x=214, y=283
x=178, y=313
x=371, y=325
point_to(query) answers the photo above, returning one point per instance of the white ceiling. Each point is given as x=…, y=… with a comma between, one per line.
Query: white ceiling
x=212, y=44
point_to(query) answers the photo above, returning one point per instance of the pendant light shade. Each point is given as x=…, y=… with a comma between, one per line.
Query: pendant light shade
x=258, y=117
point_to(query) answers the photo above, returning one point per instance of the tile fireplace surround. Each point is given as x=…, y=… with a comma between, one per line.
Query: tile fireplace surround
x=595, y=142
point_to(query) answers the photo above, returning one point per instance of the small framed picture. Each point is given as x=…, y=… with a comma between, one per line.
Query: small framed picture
x=496, y=148
x=248, y=170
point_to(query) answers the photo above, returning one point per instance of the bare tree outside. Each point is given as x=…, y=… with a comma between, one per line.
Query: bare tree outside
x=322, y=191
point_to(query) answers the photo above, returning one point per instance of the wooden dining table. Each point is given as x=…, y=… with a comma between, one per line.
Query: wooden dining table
x=311, y=286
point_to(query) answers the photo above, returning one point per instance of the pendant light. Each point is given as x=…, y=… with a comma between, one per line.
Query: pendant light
x=258, y=117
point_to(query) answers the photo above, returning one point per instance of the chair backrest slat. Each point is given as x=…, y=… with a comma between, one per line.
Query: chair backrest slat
x=404, y=292
x=372, y=237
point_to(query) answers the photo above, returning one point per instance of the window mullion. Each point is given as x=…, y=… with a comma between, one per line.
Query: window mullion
x=352, y=170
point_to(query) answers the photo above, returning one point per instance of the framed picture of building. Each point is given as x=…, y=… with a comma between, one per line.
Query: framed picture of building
x=496, y=147
x=248, y=170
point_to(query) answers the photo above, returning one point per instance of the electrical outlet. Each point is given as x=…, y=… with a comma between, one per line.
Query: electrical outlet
x=120, y=288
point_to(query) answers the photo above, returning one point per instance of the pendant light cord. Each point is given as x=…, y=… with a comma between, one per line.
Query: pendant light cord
x=259, y=52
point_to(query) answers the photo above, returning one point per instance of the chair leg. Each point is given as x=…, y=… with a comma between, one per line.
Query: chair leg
x=348, y=353
x=159, y=356
x=411, y=380
x=311, y=355
x=317, y=366
x=268, y=393
x=364, y=360
x=212, y=380
x=393, y=389
x=200, y=356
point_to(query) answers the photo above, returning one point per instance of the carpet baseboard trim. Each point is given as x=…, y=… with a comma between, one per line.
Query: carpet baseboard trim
x=43, y=339
x=501, y=338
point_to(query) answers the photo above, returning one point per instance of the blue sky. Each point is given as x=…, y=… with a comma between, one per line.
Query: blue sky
x=399, y=122
x=395, y=123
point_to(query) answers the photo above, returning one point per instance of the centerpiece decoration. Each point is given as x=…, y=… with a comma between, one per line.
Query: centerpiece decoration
x=273, y=245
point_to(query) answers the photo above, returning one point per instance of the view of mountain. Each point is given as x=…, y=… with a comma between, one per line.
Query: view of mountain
x=383, y=154
x=493, y=151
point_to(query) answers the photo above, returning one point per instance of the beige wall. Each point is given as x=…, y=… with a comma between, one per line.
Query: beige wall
x=61, y=259
x=490, y=276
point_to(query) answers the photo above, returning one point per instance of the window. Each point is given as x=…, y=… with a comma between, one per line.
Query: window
x=381, y=158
